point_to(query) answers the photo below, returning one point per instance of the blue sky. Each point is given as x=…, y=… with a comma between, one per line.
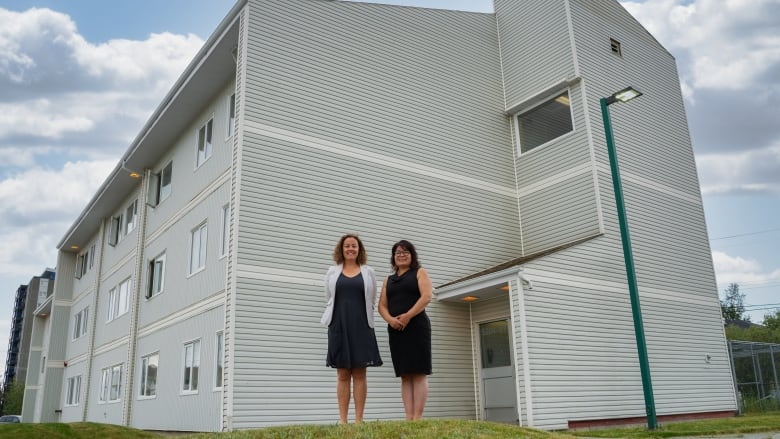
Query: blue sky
x=78, y=79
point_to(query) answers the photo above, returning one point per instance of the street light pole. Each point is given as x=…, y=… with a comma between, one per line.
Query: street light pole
x=636, y=310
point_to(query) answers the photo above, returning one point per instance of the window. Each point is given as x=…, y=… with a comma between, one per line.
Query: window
x=204, y=143
x=131, y=215
x=82, y=262
x=73, y=393
x=198, y=248
x=115, y=230
x=220, y=361
x=118, y=300
x=80, y=321
x=544, y=123
x=231, y=119
x=92, y=256
x=43, y=364
x=149, y=374
x=191, y=366
x=615, y=45
x=111, y=384
x=156, y=276
x=160, y=185
x=225, y=231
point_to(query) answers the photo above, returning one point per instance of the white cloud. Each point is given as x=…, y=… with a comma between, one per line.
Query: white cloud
x=752, y=278
x=741, y=172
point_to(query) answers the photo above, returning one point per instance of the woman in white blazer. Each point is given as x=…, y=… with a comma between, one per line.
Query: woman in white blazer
x=350, y=290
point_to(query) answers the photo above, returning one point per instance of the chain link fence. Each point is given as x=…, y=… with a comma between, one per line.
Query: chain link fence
x=756, y=368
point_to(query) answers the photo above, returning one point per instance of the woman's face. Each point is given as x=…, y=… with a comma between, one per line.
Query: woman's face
x=350, y=249
x=402, y=257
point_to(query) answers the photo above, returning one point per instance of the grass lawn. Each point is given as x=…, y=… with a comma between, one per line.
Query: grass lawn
x=427, y=429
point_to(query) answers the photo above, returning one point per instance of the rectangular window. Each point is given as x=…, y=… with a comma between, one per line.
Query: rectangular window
x=160, y=185
x=80, y=321
x=81, y=264
x=231, y=119
x=224, y=233
x=204, y=143
x=220, y=350
x=149, y=374
x=615, y=46
x=92, y=256
x=198, y=248
x=156, y=276
x=118, y=300
x=73, y=393
x=131, y=216
x=111, y=384
x=191, y=366
x=115, y=230
x=544, y=123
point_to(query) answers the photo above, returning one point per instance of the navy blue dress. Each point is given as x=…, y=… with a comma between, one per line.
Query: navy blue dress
x=351, y=342
x=411, y=347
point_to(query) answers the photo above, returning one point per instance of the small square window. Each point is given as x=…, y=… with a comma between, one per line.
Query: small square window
x=615, y=45
x=545, y=122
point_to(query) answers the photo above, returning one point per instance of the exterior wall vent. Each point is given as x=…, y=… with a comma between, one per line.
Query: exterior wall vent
x=615, y=45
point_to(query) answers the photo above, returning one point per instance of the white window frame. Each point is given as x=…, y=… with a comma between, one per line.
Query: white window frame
x=198, y=245
x=110, y=379
x=145, y=390
x=231, y=115
x=159, y=190
x=118, y=300
x=219, y=361
x=131, y=217
x=156, y=276
x=92, y=256
x=204, y=142
x=115, y=230
x=224, y=231
x=80, y=321
x=190, y=367
x=73, y=391
x=553, y=96
x=82, y=261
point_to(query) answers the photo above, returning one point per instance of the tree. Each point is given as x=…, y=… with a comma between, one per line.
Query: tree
x=733, y=306
x=12, y=398
x=772, y=321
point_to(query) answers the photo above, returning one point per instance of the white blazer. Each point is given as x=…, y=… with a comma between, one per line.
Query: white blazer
x=369, y=283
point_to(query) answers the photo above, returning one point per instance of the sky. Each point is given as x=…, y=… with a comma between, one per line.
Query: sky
x=79, y=78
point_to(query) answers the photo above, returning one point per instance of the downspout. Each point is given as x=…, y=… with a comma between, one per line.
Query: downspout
x=136, y=298
x=529, y=410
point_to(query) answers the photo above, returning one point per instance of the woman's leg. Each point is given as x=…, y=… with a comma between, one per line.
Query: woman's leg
x=420, y=392
x=407, y=395
x=342, y=392
x=359, y=390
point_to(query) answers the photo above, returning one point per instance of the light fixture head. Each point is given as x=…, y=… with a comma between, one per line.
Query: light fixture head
x=135, y=175
x=624, y=95
x=470, y=298
x=74, y=247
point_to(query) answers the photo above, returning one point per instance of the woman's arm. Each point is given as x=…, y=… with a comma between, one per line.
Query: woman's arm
x=384, y=311
x=426, y=294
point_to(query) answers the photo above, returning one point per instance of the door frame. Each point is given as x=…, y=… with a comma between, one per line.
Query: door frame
x=478, y=361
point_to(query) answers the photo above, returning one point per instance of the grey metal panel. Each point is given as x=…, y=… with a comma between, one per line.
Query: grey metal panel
x=535, y=46
x=73, y=413
x=107, y=412
x=106, y=331
x=170, y=410
x=558, y=214
x=276, y=378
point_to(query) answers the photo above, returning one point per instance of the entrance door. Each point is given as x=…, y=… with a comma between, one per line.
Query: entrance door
x=499, y=395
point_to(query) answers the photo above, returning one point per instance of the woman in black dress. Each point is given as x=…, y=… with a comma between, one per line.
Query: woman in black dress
x=350, y=288
x=405, y=294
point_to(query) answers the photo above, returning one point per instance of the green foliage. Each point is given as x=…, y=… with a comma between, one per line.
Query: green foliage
x=733, y=305
x=754, y=333
x=12, y=398
x=772, y=321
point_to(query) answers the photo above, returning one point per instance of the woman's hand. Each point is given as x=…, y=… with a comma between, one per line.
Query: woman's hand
x=397, y=323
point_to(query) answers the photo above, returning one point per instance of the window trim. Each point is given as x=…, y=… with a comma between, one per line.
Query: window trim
x=158, y=192
x=73, y=382
x=231, y=115
x=195, y=363
x=144, y=375
x=224, y=232
x=219, y=362
x=547, y=97
x=80, y=322
x=202, y=241
x=151, y=265
x=106, y=384
x=130, y=224
x=115, y=304
x=208, y=146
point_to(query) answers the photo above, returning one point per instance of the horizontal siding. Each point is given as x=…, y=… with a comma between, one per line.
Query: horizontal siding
x=268, y=369
x=535, y=46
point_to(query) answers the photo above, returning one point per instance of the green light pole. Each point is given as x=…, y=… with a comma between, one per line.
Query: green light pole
x=626, y=95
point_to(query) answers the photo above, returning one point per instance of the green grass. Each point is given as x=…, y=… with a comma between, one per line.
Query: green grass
x=426, y=429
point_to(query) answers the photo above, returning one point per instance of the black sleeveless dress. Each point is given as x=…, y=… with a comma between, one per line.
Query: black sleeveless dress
x=410, y=348
x=351, y=342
